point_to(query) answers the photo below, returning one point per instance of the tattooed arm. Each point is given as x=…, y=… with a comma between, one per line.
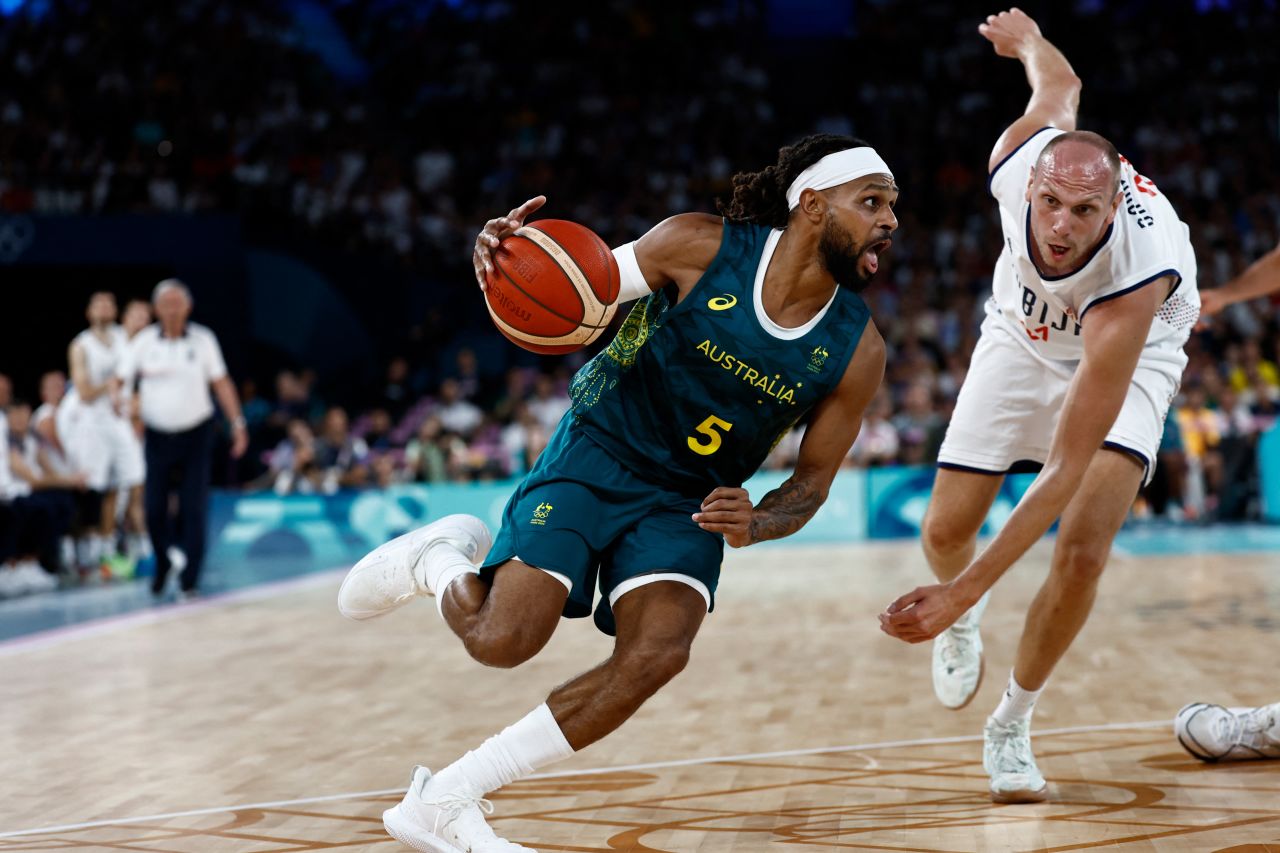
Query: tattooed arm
x=832, y=429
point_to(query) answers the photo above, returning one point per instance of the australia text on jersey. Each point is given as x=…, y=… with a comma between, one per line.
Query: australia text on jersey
x=756, y=378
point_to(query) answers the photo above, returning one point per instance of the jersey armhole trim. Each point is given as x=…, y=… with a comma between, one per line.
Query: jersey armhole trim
x=992, y=176
x=725, y=236
x=1131, y=288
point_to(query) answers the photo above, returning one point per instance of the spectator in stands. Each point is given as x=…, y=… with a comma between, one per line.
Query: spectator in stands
x=6, y=391
x=523, y=439
x=1253, y=368
x=548, y=403
x=918, y=425
x=457, y=415
x=877, y=442
x=397, y=395
x=1201, y=429
x=341, y=457
x=377, y=434
x=293, y=468
x=426, y=458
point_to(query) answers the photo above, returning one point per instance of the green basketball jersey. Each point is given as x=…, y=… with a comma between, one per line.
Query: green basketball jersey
x=694, y=395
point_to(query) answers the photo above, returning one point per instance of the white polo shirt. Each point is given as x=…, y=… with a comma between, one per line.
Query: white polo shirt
x=173, y=376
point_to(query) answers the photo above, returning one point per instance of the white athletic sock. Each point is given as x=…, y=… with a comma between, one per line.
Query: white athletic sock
x=1017, y=703
x=442, y=565
x=518, y=750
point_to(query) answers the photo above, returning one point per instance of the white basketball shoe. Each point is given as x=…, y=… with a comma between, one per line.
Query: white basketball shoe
x=1007, y=758
x=444, y=821
x=395, y=573
x=958, y=664
x=1215, y=733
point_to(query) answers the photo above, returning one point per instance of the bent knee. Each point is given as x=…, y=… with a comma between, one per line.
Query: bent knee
x=1080, y=563
x=653, y=664
x=943, y=533
x=502, y=647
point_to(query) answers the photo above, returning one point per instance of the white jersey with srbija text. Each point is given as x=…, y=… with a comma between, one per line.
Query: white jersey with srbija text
x=1145, y=243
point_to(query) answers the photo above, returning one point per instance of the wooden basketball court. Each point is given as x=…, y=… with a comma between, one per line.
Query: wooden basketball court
x=266, y=722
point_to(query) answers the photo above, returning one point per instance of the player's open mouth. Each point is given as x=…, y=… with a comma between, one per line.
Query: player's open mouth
x=872, y=254
x=1058, y=252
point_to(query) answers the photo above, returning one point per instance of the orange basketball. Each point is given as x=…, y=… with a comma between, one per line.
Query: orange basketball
x=554, y=287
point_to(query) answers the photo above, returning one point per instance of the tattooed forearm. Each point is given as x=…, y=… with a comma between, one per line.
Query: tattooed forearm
x=785, y=510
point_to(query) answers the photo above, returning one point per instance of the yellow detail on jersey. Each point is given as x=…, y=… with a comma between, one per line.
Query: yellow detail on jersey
x=632, y=335
x=722, y=303
x=709, y=428
x=770, y=385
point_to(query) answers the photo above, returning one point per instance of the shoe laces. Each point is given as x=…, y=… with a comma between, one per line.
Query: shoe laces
x=454, y=805
x=956, y=643
x=1254, y=728
x=1013, y=749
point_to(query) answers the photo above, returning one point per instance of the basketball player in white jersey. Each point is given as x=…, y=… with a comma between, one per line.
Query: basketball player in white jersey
x=98, y=440
x=1079, y=358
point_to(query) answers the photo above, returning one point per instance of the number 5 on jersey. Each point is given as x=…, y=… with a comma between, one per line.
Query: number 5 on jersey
x=713, y=439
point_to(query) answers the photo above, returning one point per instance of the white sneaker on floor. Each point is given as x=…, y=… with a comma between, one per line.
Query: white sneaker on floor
x=392, y=574
x=444, y=821
x=34, y=578
x=11, y=583
x=1215, y=733
x=958, y=664
x=1007, y=758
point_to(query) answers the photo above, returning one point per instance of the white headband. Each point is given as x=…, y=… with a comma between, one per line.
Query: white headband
x=836, y=169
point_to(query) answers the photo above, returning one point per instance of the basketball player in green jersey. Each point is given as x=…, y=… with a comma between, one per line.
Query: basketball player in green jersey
x=744, y=325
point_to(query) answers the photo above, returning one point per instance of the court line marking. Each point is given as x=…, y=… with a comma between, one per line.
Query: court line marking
x=162, y=613
x=596, y=771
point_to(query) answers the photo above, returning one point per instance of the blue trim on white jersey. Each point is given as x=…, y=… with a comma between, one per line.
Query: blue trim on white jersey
x=1134, y=287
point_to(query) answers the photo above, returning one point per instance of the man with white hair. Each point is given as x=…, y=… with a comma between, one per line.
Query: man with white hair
x=175, y=363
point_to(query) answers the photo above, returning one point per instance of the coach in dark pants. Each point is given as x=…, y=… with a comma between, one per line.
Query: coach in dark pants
x=175, y=363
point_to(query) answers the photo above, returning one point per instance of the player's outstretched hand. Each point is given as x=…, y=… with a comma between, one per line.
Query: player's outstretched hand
x=493, y=233
x=923, y=613
x=1009, y=32
x=728, y=511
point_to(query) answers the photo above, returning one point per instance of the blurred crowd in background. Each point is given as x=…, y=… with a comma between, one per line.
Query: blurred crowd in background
x=394, y=129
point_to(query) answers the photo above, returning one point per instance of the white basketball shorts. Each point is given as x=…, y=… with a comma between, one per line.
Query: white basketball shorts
x=1008, y=407
x=102, y=446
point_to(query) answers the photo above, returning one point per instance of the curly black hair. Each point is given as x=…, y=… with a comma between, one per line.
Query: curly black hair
x=761, y=197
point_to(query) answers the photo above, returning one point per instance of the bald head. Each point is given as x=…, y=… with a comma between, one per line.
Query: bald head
x=1082, y=157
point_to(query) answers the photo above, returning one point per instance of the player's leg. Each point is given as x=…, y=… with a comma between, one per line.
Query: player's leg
x=957, y=508
x=1000, y=419
x=656, y=624
x=1088, y=526
x=160, y=463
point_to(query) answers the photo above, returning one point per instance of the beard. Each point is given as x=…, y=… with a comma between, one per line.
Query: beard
x=840, y=256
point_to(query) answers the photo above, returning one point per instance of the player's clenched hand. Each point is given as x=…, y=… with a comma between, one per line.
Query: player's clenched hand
x=923, y=613
x=1009, y=32
x=1211, y=302
x=493, y=233
x=727, y=511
